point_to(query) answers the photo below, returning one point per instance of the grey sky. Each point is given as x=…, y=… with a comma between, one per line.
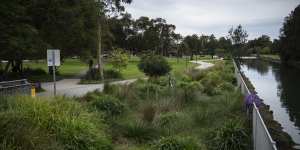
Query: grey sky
x=217, y=16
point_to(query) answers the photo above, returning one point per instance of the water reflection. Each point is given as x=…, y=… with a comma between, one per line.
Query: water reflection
x=279, y=86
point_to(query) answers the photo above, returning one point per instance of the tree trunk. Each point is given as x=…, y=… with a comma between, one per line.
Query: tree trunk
x=7, y=66
x=99, y=57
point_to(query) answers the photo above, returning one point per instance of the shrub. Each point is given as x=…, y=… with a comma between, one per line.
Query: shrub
x=140, y=132
x=109, y=88
x=173, y=143
x=38, y=71
x=119, y=59
x=148, y=112
x=211, y=82
x=189, y=90
x=154, y=65
x=231, y=136
x=167, y=120
x=148, y=89
x=92, y=74
x=28, y=123
x=110, y=105
x=112, y=74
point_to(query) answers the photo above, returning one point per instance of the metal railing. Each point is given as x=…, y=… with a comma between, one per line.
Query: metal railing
x=16, y=87
x=262, y=139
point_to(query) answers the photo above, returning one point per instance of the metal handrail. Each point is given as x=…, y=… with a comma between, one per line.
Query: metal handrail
x=12, y=86
x=265, y=127
x=21, y=80
x=255, y=109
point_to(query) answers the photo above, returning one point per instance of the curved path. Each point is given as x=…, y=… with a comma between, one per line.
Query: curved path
x=202, y=64
x=70, y=87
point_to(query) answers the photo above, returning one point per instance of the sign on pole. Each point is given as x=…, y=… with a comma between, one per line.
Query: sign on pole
x=56, y=58
x=53, y=59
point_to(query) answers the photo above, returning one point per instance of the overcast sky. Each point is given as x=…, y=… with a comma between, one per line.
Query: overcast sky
x=217, y=16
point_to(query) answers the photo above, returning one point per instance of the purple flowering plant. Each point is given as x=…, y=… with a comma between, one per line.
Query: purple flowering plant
x=252, y=98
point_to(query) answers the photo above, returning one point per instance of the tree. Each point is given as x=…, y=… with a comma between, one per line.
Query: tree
x=154, y=65
x=192, y=42
x=259, y=45
x=290, y=37
x=212, y=45
x=238, y=37
x=105, y=6
x=119, y=59
x=30, y=27
x=275, y=46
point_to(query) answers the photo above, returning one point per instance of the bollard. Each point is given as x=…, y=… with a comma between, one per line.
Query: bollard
x=33, y=91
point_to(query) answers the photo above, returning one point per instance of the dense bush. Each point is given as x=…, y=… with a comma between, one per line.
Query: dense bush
x=32, y=72
x=93, y=74
x=148, y=113
x=231, y=136
x=110, y=105
x=119, y=59
x=112, y=74
x=157, y=110
x=167, y=120
x=174, y=143
x=154, y=65
x=140, y=132
x=28, y=123
x=189, y=90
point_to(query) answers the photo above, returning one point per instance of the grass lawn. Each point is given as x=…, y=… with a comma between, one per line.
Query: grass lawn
x=69, y=68
x=132, y=71
x=74, y=67
x=272, y=56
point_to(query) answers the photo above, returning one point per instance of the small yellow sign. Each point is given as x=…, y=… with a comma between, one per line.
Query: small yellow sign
x=33, y=92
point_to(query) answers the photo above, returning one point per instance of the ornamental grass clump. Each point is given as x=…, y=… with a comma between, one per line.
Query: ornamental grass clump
x=36, y=123
x=111, y=106
x=231, y=136
x=176, y=143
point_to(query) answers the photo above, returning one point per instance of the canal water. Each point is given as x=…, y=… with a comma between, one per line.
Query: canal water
x=279, y=87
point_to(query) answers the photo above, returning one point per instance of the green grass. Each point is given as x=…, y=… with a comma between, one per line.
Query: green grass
x=44, y=123
x=132, y=71
x=69, y=68
x=272, y=56
x=74, y=67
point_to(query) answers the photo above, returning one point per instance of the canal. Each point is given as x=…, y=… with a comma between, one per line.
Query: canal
x=279, y=87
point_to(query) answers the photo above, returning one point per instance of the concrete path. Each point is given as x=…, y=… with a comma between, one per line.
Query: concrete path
x=202, y=64
x=70, y=87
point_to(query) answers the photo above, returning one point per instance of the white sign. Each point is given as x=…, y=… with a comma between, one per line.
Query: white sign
x=53, y=54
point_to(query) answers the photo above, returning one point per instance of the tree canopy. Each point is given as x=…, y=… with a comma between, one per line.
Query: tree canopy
x=290, y=37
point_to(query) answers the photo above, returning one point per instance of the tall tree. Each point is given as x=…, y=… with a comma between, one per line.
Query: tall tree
x=193, y=44
x=29, y=27
x=238, y=37
x=290, y=37
x=105, y=7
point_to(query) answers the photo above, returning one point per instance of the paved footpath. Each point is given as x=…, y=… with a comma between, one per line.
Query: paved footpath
x=70, y=87
x=202, y=64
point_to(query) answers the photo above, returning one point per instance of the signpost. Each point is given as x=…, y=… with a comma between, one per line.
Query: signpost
x=53, y=59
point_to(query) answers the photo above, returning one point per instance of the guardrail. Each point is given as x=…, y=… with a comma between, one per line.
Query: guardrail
x=262, y=139
x=16, y=87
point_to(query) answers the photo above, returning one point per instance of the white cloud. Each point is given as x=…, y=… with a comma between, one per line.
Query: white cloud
x=217, y=16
